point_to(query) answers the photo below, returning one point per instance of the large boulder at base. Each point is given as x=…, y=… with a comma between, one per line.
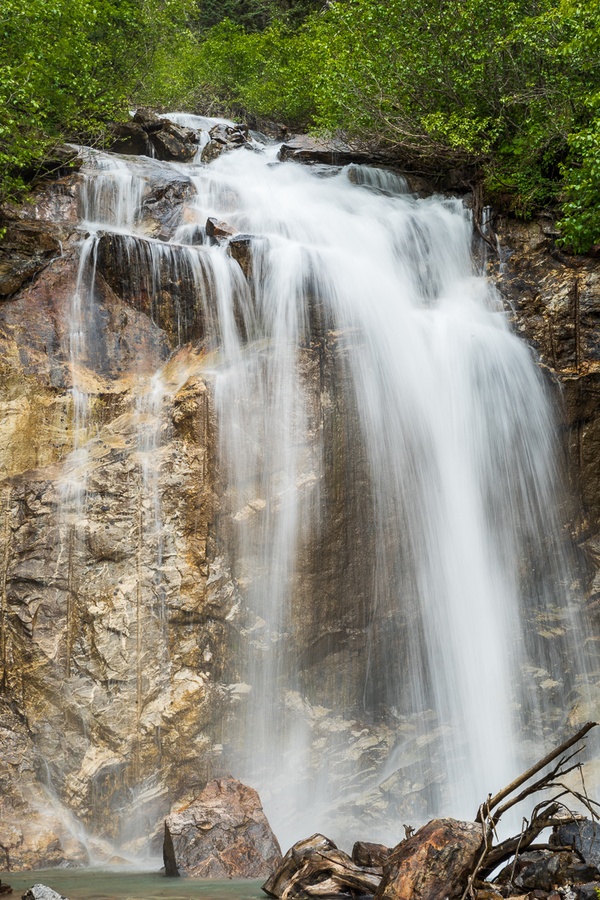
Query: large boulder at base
x=224, y=833
x=433, y=864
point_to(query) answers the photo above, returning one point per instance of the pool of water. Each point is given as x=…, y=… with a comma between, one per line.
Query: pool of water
x=95, y=884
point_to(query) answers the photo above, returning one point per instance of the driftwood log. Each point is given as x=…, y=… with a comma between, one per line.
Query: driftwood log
x=316, y=868
x=446, y=858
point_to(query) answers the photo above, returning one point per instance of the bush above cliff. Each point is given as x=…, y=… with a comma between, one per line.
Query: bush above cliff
x=511, y=90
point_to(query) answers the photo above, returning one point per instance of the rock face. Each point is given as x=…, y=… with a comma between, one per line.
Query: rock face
x=224, y=833
x=432, y=864
x=554, y=301
x=122, y=624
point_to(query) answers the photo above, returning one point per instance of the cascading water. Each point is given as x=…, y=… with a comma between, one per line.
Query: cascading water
x=387, y=452
x=458, y=477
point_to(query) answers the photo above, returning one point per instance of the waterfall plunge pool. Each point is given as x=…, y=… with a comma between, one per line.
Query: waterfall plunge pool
x=102, y=884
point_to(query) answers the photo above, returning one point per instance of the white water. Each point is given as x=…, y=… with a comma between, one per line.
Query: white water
x=456, y=461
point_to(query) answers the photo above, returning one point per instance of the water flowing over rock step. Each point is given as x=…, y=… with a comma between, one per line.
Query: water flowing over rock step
x=177, y=285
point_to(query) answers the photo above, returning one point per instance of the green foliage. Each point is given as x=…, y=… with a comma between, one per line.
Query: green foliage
x=71, y=66
x=507, y=88
x=580, y=223
x=253, y=15
x=512, y=88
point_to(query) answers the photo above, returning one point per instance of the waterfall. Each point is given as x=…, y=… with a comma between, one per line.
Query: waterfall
x=390, y=486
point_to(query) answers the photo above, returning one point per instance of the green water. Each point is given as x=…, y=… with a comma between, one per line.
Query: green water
x=94, y=884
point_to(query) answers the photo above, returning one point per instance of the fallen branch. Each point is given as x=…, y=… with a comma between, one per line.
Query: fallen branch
x=491, y=803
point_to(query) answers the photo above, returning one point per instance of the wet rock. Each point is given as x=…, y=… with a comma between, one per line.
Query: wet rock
x=25, y=250
x=158, y=280
x=219, y=230
x=224, y=833
x=553, y=301
x=240, y=249
x=433, y=864
x=42, y=892
x=584, y=836
x=148, y=120
x=589, y=891
x=173, y=142
x=303, y=148
x=223, y=138
x=149, y=134
x=130, y=138
x=543, y=870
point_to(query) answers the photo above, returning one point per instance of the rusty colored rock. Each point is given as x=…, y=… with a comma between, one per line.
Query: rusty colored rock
x=434, y=863
x=224, y=833
x=219, y=230
x=240, y=249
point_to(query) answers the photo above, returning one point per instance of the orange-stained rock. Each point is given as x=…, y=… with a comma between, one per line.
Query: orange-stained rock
x=224, y=833
x=433, y=864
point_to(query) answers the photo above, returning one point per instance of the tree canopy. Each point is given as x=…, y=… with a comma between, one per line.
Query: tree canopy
x=508, y=87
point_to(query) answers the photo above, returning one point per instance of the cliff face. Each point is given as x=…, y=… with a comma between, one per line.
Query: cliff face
x=114, y=641
x=122, y=625
x=554, y=302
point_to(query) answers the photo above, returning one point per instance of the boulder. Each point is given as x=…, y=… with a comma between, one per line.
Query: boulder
x=130, y=138
x=41, y=892
x=584, y=836
x=370, y=855
x=147, y=133
x=224, y=833
x=225, y=137
x=148, y=119
x=588, y=891
x=219, y=230
x=240, y=249
x=305, y=149
x=433, y=864
x=544, y=870
x=174, y=143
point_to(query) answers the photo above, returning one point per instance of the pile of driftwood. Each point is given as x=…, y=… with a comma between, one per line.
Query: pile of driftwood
x=455, y=860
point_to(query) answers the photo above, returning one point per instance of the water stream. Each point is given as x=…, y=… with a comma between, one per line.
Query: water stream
x=387, y=449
